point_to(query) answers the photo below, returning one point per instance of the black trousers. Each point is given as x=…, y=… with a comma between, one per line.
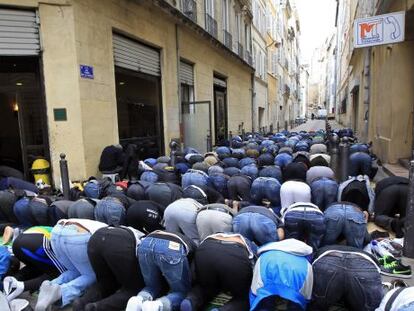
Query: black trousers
x=28, y=248
x=112, y=253
x=222, y=267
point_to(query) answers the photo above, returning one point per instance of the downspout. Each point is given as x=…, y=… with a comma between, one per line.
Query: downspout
x=180, y=122
x=367, y=90
x=253, y=99
x=336, y=64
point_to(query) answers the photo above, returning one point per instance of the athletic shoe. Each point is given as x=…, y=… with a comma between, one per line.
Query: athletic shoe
x=393, y=267
x=378, y=250
x=392, y=248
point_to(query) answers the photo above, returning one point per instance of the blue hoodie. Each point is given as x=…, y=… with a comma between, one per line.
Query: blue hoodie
x=282, y=270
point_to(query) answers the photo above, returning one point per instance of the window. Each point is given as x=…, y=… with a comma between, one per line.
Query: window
x=209, y=7
x=343, y=105
x=226, y=18
x=238, y=27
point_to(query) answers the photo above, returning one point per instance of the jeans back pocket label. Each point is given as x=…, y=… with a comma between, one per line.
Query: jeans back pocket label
x=174, y=246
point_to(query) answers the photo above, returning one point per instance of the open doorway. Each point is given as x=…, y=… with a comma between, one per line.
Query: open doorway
x=355, y=109
x=23, y=137
x=220, y=109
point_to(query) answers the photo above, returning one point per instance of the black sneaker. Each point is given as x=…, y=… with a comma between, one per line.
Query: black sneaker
x=393, y=267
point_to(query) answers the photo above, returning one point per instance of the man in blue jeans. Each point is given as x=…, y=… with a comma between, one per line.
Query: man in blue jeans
x=348, y=275
x=69, y=241
x=163, y=258
x=324, y=192
x=346, y=219
x=258, y=224
x=266, y=188
x=360, y=163
x=304, y=222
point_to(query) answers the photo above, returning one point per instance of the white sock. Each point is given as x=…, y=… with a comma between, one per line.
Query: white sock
x=134, y=303
x=155, y=305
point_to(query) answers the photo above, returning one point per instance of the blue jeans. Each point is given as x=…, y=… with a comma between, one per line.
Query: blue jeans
x=250, y=170
x=92, y=189
x=346, y=220
x=256, y=227
x=149, y=176
x=71, y=247
x=265, y=188
x=219, y=182
x=196, y=178
x=306, y=225
x=231, y=162
x=110, y=211
x=22, y=211
x=346, y=278
x=159, y=261
x=272, y=171
x=246, y=161
x=360, y=163
x=358, y=148
x=283, y=159
x=324, y=192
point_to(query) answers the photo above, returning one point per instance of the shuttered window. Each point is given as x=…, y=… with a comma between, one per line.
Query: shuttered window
x=136, y=56
x=186, y=73
x=19, y=33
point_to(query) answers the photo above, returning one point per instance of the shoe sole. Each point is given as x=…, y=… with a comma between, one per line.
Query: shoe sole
x=403, y=276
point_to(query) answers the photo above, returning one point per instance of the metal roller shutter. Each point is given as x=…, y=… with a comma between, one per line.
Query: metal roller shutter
x=220, y=82
x=135, y=56
x=186, y=73
x=19, y=33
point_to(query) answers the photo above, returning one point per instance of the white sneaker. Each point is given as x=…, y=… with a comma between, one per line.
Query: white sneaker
x=155, y=305
x=134, y=304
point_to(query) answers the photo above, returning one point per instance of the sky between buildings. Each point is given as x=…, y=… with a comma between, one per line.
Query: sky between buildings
x=317, y=22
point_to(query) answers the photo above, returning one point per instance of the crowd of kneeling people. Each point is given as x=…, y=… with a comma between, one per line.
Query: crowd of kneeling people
x=264, y=221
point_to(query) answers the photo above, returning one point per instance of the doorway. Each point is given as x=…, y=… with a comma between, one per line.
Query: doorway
x=220, y=109
x=23, y=137
x=197, y=125
x=138, y=99
x=355, y=109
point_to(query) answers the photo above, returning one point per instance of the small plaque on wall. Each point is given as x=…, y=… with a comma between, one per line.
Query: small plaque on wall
x=60, y=114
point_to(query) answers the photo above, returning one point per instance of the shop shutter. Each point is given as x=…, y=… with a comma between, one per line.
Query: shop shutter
x=186, y=73
x=19, y=33
x=135, y=56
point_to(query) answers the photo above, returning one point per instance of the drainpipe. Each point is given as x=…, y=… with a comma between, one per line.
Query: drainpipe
x=367, y=90
x=180, y=121
x=253, y=98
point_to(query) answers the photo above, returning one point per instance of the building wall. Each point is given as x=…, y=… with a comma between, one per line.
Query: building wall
x=80, y=32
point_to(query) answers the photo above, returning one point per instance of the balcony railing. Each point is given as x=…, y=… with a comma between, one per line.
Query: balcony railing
x=211, y=25
x=249, y=58
x=189, y=8
x=240, y=50
x=228, y=39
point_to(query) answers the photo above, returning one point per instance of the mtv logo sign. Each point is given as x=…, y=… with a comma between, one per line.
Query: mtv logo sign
x=381, y=29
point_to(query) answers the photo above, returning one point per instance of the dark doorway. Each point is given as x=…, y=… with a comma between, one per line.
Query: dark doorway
x=23, y=137
x=139, y=111
x=355, y=108
x=220, y=113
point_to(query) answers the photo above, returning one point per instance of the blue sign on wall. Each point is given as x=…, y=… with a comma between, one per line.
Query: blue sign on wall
x=86, y=71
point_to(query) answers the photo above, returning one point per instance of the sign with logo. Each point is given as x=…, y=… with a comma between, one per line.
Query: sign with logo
x=86, y=72
x=378, y=30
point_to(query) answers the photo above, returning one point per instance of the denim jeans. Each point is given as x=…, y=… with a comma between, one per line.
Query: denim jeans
x=324, y=192
x=272, y=171
x=82, y=208
x=110, y=211
x=301, y=146
x=283, y=159
x=219, y=182
x=92, y=189
x=347, y=220
x=160, y=262
x=265, y=188
x=256, y=227
x=347, y=278
x=358, y=148
x=22, y=211
x=246, y=161
x=250, y=170
x=71, y=247
x=307, y=225
x=360, y=163
x=231, y=162
x=196, y=178
x=149, y=176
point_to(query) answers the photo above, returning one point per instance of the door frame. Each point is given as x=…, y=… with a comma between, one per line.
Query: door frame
x=209, y=116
